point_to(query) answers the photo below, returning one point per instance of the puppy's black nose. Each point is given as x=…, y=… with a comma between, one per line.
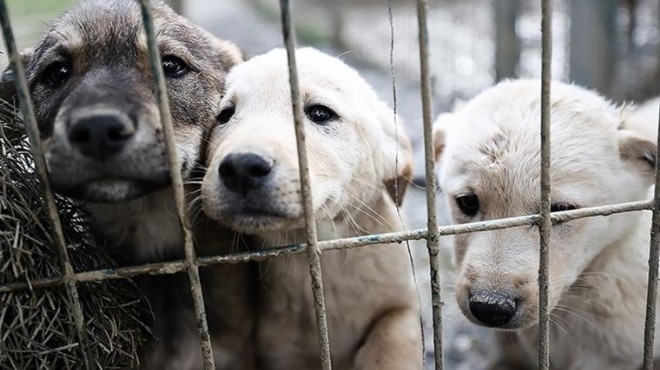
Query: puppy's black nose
x=492, y=309
x=244, y=172
x=100, y=136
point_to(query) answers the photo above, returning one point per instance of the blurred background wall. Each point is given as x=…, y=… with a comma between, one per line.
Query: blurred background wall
x=610, y=45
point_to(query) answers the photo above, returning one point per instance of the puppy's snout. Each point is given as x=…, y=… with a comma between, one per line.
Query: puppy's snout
x=100, y=136
x=244, y=172
x=492, y=309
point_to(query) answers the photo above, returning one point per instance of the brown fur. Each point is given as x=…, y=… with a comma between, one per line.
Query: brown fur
x=102, y=46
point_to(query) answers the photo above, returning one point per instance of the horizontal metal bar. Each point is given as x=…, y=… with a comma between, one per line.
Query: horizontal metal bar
x=161, y=268
x=172, y=267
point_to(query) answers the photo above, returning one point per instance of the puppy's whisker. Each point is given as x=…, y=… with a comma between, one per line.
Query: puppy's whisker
x=553, y=320
x=570, y=311
x=370, y=212
x=347, y=215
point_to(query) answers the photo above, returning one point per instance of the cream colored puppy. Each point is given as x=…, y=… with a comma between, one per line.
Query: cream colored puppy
x=252, y=185
x=489, y=153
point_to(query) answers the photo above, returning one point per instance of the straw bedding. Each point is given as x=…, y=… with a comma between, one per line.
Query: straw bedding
x=37, y=327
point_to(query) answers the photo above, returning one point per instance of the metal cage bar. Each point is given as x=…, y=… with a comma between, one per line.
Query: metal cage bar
x=545, y=222
x=177, y=185
x=654, y=254
x=162, y=268
x=27, y=110
x=313, y=251
x=433, y=236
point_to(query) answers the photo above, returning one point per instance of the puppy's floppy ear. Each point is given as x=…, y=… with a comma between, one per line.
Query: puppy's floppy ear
x=231, y=54
x=7, y=87
x=396, y=155
x=439, y=127
x=641, y=152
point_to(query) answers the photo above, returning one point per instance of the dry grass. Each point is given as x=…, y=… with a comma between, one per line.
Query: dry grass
x=37, y=329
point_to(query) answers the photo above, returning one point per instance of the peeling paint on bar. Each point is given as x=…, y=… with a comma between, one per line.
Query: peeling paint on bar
x=177, y=184
x=432, y=239
x=313, y=251
x=545, y=222
x=27, y=110
x=654, y=254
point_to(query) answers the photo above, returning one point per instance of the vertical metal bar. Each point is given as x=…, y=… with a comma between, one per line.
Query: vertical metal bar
x=177, y=185
x=313, y=251
x=545, y=224
x=27, y=110
x=654, y=254
x=433, y=239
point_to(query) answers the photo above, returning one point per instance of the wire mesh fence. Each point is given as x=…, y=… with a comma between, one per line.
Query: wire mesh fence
x=313, y=247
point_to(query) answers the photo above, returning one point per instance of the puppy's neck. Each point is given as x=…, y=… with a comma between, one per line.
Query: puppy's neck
x=375, y=217
x=634, y=239
x=142, y=230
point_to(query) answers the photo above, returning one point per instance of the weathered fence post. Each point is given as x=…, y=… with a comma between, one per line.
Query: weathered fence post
x=593, y=43
x=507, y=44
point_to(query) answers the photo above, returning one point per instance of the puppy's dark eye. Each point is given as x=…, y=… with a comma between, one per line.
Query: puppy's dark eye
x=560, y=207
x=468, y=204
x=56, y=74
x=320, y=114
x=226, y=115
x=174, y=67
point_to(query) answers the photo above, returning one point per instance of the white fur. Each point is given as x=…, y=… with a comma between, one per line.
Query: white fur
x=644, y=118
x=598, y=266
x=373, y=315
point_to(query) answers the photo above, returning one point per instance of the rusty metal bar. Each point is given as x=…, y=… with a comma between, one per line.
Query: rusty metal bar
x=27, y=110
x=654, y=254
x=313, y=251
x=173, y=267
x=433, y=240
x=177, y=185
x=545, y=222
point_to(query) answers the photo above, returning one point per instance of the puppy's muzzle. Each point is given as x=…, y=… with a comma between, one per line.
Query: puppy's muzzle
x=492, y=309
x=242, y=173
x=100, y=136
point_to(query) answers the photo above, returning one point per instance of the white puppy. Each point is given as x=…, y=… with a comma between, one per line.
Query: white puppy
x=489, y=161
x=252, y=185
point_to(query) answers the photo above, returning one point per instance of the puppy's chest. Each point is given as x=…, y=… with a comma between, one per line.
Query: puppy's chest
x=140, y=231
x=156, y=236
x=588, y=333
x=286, y=283
x=286, y=307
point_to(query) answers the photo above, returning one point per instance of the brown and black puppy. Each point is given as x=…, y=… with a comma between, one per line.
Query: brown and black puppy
x=100, y=127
